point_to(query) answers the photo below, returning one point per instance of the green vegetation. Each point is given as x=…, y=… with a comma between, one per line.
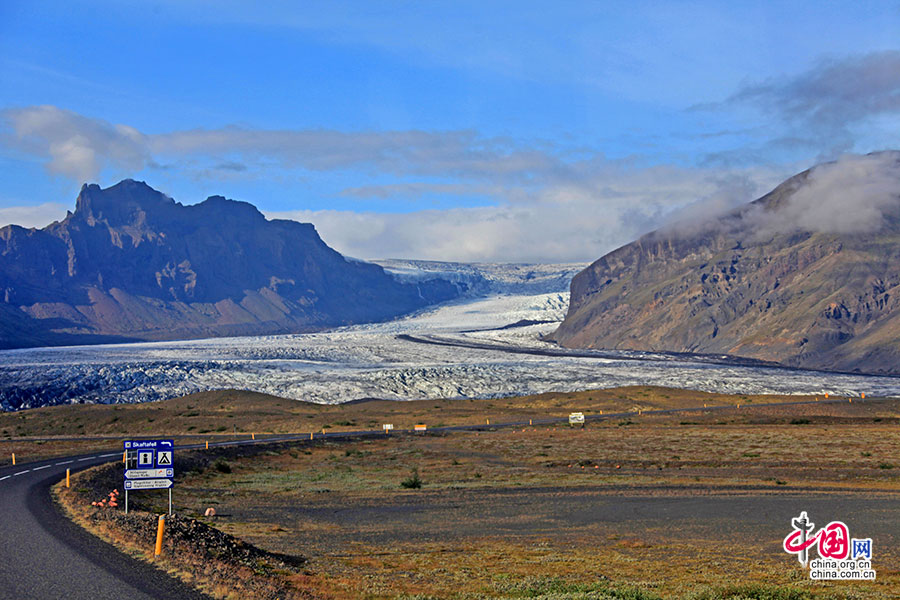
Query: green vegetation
x=753, y=592
x=413, y=482
x=558, y=587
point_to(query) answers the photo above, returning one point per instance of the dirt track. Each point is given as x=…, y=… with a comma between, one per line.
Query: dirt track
x=560, y=514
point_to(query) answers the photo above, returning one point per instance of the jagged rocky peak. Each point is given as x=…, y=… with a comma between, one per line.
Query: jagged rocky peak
x=121, y=204
x=222, y=207
x=132, y=263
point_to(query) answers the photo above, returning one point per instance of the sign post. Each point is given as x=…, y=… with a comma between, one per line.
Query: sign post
x=576, y=418
x=149, y=465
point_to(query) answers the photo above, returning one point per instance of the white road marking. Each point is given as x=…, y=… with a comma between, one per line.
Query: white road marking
x=108, y=455
x=65, y=462
x=21, y=473
x=85, y=458
x=7, y=477
x=39, y=468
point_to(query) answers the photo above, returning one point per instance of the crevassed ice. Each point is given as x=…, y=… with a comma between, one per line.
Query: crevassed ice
x=369, y=361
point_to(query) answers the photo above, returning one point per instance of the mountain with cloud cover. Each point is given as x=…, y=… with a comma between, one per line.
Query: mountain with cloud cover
x=808, y=275
x=132, y=264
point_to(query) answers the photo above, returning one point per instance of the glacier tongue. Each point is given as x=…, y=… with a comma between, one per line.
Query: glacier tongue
x=478, y=347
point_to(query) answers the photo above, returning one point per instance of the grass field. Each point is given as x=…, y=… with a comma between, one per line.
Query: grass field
x=228, y=411
x=677, y=505
x=230, y=414
x=560, y=512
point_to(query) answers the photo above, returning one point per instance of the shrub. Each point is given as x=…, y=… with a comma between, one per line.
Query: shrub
x=412, y=482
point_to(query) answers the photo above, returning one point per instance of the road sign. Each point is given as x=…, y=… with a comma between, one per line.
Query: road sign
x=149, y=454
x=148, y=484
x=148, y=473
x=387, y=426
x=576, y=418
x=421, y=427
x=149, y=466
x=152, y=444
x=164, y=458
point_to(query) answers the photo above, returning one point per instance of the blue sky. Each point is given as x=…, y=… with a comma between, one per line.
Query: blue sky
x=509, y=131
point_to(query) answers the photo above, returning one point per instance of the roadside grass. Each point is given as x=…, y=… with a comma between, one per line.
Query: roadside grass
x=284, y=500
x=204, y=558
x=557, y=587
x=753, y=592
x=288, y=499
x=512, y=570
x=761, y=455
x=231, y=412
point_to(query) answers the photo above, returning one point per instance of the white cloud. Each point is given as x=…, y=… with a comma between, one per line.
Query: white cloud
x=852, y=195
x=32, y=216
x=573, y=222
x=81, y=147
x=578, y=222
x=75, y=146
x=546, y=205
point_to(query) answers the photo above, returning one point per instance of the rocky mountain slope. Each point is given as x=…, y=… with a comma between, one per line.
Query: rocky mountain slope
x=808, y=275
x=132, y=264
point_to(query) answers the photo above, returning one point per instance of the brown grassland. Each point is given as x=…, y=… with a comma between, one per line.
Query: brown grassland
x=231, y=414
x=681, y=505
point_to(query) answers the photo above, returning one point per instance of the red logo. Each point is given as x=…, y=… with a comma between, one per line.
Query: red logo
x=833, y=539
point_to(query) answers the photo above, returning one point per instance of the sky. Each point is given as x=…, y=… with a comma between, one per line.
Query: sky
x=464, y=131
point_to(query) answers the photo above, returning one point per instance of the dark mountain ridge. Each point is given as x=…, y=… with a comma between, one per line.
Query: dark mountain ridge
x=753, y=283
x=132, y=264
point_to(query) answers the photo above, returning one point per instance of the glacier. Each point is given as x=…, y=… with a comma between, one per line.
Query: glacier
x=487, y=344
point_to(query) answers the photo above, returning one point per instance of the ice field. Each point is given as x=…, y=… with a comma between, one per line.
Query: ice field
x=493, y=358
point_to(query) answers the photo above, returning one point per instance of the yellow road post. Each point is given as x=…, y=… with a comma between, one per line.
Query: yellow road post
x=160, y=529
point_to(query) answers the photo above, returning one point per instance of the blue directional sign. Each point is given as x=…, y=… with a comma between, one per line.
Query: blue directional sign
x=148, y=484
x=149, y=460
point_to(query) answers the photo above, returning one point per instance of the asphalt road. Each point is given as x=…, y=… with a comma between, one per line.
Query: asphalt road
x=43, y=555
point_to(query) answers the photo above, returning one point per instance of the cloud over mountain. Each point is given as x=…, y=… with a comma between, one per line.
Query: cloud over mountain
x=511, y=200
x=855, y=194
x=806, y=275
